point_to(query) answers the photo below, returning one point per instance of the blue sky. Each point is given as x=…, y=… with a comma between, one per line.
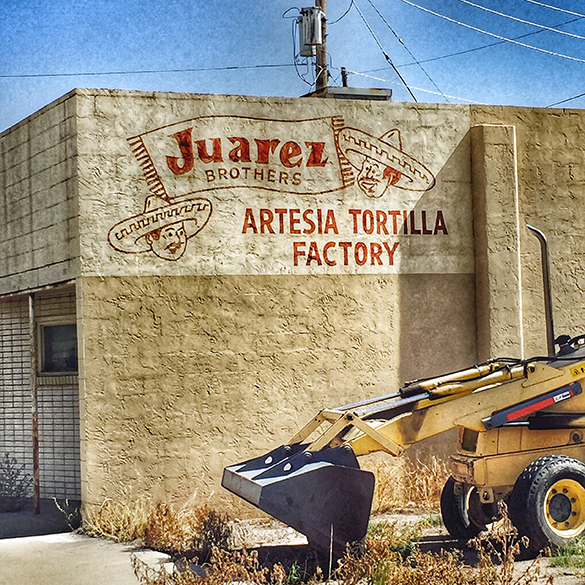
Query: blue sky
x=246, y=47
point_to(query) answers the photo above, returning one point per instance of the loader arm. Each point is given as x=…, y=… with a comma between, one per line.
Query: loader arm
x=471, y=404
x=421, y=410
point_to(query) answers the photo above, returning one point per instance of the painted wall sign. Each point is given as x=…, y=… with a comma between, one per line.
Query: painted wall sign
x=284, y=196
x=164, y=227
x=382, y=163
x=230, y=151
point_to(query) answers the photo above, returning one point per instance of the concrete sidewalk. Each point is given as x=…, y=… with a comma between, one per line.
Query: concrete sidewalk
x=26, y=523
x=70, y=559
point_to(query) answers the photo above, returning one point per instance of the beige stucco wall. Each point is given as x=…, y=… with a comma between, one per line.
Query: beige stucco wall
x=184, y=375
x=550, y=183
x=195, y=363
x=39, y=240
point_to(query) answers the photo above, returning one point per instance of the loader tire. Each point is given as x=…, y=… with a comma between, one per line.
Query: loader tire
x=455, y=512
x=547, y=504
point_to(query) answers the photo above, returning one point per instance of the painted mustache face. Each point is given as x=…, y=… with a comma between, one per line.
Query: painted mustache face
x=171, y=243
x=374, y=179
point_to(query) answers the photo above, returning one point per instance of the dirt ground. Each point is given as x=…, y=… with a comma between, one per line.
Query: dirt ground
x=275, y=541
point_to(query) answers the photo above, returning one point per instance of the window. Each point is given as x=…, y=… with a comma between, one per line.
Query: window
x=58, y=348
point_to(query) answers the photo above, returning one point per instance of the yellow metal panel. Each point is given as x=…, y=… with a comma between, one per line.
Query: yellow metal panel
x=574, y=405
x=469, y=410
x=484, y=402
x=578, y=370
x=505, y=469
x=487, y=443
x=539, y=372
x=383, y=442
x=509, y=439
x=546, y=439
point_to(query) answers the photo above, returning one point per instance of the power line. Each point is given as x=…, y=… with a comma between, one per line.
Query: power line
x=579, y=17
x=565, y=101
x=489, y=45
x=342, y=16
x=384, y=52
x=526, y=46
x=541, y=26
x=566, y=12
x=407, y=49
x=417, y=88
x=142, y=71
x=556, y=8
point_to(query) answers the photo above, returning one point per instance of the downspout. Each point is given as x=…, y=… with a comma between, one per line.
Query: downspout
x=34, y=405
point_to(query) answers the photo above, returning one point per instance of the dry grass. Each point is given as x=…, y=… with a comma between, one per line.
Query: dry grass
x=160, y=526
x=117, y=521
x=400, y=483
x=15, y=484
x=497, y=553
x=390, y=557
x=190, y=528
x=224, y=567
x=404, y=483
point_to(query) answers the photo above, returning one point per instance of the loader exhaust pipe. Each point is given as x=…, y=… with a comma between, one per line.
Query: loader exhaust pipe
x=548, y=310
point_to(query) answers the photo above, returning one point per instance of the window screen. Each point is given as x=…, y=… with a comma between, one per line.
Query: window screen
x=59, y=348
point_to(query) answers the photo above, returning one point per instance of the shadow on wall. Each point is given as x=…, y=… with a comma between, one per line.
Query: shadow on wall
x=437, y=311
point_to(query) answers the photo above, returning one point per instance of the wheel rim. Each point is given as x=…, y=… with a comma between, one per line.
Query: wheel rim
x=477, y=511
x=564, y=508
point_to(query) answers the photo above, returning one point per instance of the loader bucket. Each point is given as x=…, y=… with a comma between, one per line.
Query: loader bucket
x=324, y=494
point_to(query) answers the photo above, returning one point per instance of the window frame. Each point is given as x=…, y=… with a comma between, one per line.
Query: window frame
x=43, y=323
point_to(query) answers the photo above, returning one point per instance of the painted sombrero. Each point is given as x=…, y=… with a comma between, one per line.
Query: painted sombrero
x=129, y=235
x=386, y=150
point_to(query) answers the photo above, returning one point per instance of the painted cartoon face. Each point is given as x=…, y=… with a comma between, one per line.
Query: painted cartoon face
x=374, y=178
x=170, y=242
x=371, y=179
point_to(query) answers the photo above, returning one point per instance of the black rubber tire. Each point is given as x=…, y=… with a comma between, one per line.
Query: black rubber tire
x=455, y=512
x=540, y=510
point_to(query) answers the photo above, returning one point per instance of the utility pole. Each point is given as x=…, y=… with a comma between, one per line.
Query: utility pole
x=321, y=73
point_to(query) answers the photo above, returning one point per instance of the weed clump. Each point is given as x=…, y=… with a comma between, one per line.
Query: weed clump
x=570, y=556
x=497, y=552
x=198, y=530
x=15, y=485
x=116, y=521
x=405, y=483
x=223, y=567
x=71, y=511
x=190, y=528
x=393, y=557
x=384, y=567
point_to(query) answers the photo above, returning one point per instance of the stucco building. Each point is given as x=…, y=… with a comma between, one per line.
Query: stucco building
x=185, y=279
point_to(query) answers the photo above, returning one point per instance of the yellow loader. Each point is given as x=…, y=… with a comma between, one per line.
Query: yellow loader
x=521, y=441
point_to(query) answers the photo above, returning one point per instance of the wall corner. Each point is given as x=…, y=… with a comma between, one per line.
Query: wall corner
x=496, y=227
